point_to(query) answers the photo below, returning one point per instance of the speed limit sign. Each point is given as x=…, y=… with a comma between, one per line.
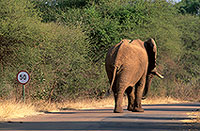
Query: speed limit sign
x=23, y=77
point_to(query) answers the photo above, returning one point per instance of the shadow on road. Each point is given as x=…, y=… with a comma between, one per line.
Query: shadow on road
x=159, y=107
x=170, y=109
x=173, y=107
x=182, y=104
x=158, y=117
x=88, y=125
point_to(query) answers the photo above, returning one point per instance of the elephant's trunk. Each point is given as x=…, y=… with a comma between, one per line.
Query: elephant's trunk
x=151, y=49
x=147, y=85
x=148, y=81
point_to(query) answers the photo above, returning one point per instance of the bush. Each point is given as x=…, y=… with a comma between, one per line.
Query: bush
x=55, y=55
x=63, y=44
x=19, y=33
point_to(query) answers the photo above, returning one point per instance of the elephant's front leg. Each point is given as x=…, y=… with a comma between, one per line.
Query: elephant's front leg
x=131, y=98
x=139, y=88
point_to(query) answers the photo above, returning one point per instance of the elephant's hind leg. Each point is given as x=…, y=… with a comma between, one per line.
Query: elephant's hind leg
x=131, y=98
x=118, y=94
x=118, y=102
x=139, y=88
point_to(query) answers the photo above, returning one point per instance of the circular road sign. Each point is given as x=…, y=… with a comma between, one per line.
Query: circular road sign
x=23, y=77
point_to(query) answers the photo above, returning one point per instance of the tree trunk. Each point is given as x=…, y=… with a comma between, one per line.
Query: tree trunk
x=51, y=92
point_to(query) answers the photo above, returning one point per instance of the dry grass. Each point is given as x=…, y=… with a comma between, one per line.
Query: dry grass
x=12, y=109
x=164, y=100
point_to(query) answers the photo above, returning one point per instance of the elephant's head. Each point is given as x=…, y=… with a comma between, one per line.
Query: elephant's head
x=151, y=49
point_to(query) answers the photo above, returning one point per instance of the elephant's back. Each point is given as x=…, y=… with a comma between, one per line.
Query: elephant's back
x=135, y=55
x=127, y=52
x=136, y=49
x=132, y=52
x=115, y=52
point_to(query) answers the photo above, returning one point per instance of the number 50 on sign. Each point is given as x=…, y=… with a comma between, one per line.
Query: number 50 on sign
x=23, y=77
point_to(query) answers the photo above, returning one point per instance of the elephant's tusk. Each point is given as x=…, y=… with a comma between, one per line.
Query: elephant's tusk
x=159, y=75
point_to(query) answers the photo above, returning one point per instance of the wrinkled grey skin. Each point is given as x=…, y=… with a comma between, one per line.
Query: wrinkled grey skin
x=131, y=64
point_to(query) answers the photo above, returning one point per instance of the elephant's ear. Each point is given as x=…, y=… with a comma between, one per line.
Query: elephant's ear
x=151, y=49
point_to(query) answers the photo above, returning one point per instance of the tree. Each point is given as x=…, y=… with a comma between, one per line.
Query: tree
x=189, y=6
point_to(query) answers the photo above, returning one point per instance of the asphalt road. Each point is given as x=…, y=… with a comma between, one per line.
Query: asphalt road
x=158, y=117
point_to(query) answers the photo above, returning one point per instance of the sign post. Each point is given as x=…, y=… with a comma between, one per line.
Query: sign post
x=23, y=92
x=23, y=78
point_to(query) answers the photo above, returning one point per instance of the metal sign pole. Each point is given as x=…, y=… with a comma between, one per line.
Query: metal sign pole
x=23, y=93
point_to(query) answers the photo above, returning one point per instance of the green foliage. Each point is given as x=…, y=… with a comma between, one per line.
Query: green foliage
x=53, y=54
x=189, y=6
x=63, y=44
x=18, y=34
x=190, y=60
x=107, y=22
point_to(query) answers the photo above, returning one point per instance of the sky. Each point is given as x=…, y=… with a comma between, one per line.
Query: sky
x=177, y=0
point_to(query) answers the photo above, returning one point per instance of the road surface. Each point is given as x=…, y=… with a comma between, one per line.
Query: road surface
x=158, y=117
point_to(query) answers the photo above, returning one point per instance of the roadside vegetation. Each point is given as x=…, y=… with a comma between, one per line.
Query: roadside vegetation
x=63, y=43
x=10, y=109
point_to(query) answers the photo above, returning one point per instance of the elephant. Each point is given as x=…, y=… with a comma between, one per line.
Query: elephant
x=130, y=66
